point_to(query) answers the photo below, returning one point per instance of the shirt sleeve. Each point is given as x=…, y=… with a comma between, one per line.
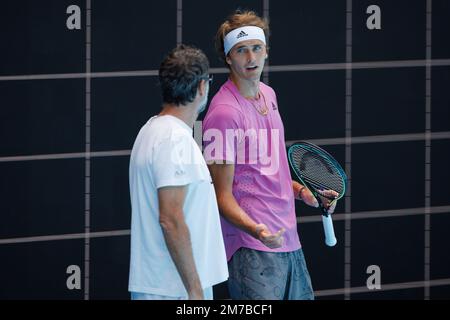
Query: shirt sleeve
x=174, y=163
x=222, y=132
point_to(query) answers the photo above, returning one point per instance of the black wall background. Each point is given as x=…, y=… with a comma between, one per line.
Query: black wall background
x=43, y=201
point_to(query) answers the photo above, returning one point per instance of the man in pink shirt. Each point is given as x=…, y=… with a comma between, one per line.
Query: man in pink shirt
x=245, y=150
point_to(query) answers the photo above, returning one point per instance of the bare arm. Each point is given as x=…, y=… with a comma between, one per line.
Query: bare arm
x=176, y=234
x=223, y=175
x=302, y=193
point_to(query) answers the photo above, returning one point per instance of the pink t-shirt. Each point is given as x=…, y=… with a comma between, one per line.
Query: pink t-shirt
x=235, y=132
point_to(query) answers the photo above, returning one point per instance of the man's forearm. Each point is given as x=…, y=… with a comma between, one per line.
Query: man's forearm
x=233, y=213
x=176, y=234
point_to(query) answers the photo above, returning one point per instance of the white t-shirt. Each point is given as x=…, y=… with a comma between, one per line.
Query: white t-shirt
x=165, y=154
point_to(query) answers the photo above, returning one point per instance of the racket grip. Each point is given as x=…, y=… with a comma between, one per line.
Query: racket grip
x=330, y=238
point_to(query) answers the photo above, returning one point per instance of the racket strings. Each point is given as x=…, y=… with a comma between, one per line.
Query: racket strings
x=316, y=184
x=317, y=170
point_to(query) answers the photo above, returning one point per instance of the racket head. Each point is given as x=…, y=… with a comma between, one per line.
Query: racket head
x=317, y=169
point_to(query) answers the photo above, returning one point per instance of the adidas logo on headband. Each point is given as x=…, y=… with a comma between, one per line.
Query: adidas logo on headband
x=241, y=34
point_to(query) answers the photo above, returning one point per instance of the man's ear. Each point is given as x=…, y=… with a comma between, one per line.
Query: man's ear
x=228, y=60
x=202, y=87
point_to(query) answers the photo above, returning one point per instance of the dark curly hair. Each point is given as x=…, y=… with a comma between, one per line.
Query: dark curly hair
x=180, y=73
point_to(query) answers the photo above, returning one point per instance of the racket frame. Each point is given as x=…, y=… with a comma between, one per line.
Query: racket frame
x=313, y=148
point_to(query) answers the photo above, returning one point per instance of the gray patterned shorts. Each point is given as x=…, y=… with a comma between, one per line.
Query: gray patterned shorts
x=259, y=275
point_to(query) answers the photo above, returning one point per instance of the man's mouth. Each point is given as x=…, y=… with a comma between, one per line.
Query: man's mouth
x=251, y=68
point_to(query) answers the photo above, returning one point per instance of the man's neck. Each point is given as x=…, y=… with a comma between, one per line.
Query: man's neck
x=247, y=88
x=184, y=113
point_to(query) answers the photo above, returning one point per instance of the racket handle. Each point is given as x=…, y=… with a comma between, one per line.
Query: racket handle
x=330, y=238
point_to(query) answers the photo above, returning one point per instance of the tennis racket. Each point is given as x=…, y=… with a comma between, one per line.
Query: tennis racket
x=318, y=171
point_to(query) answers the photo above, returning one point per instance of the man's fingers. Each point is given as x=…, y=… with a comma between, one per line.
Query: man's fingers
x=272, y=237
x=261, y=230
x=280, y=232
x=328, y=193
x=272, y=240
x=275, y=243
x=277, y=235
x=315, y=203
x=332, y=207
x=265, y=233
x=332, y=193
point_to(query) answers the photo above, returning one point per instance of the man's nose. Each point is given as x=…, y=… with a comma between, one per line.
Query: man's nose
x=251, y=56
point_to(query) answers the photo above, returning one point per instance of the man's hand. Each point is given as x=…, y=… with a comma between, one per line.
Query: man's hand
x=327, y=197
x=303, y=193
x=269, y=239
x=308, y=198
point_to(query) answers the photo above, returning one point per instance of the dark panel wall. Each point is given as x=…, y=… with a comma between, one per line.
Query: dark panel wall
x=52, y=194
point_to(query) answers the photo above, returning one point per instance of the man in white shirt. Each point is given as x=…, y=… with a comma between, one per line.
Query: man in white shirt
x=177, y=250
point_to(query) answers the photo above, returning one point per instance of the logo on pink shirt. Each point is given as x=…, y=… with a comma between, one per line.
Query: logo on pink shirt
x=258, y=141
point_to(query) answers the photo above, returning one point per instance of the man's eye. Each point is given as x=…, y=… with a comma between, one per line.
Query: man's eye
x=257, y=48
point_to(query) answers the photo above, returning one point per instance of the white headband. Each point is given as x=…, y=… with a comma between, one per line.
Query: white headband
x=242, y=34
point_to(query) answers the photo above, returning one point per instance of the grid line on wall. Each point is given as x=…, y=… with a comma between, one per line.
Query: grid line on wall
x=322, y=142
x=270, y=68
x=427, y=218
x=392, y=213
x=266, y=15
x=87, y=161
x=348, y=150
x=179, y=22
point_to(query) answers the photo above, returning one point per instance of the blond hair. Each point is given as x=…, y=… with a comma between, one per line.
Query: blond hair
x=236, y=20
